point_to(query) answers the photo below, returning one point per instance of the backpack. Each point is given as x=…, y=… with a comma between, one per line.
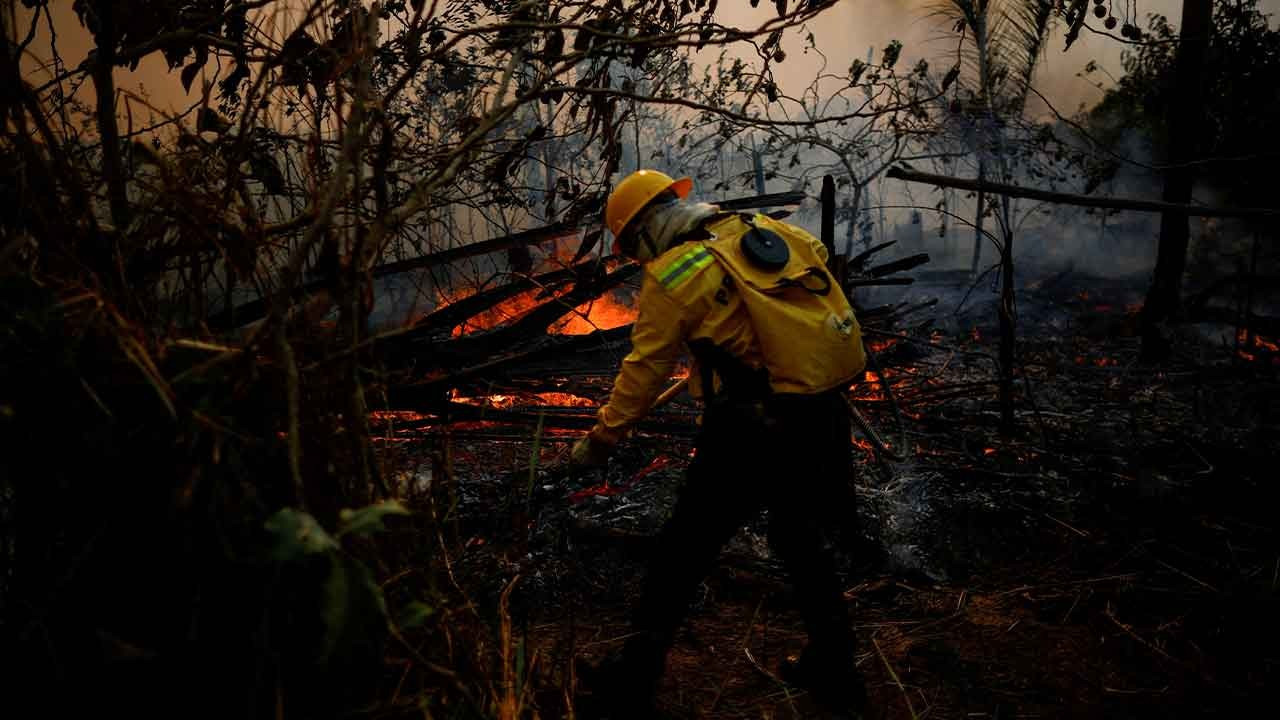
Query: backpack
x=807, y=331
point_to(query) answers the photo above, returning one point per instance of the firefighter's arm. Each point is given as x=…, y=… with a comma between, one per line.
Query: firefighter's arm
x=656, y=342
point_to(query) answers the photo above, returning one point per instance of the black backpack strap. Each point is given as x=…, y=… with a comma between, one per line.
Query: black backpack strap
x=737, y=379
x=812, y=272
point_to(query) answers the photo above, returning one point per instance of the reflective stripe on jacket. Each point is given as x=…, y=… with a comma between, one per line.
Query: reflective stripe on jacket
x=688, y=294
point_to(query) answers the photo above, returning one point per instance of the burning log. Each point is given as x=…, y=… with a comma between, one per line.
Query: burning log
x=459, y=311
x=530, y=326
x=549, y=347
x=542, y=317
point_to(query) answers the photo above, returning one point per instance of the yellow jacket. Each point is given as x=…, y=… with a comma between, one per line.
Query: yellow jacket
x=701, y=289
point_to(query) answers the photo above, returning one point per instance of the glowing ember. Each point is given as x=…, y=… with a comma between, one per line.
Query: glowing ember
x=657, y=464
x=863, y=445
x=507, y=401
x=879, y=346
x=605, y=489
x=1255, y=348
x=1256, y=341
x=399, y=416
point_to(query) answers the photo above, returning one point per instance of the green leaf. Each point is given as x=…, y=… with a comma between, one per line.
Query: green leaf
x=189, y=75
x=368, y=520
x=891, y=53
x=414, y=614
x=297, y=534
x=355, y=612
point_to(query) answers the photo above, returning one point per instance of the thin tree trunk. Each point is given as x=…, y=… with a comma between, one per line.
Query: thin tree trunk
x=828, y=229
x=1164, y=296
x=977, y=220
x=104, y=88
x=1008, y=334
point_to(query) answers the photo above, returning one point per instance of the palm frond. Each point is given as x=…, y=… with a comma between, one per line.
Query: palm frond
x=1003, y=43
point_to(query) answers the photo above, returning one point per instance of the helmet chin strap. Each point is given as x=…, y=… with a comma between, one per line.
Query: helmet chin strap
x=664, y=224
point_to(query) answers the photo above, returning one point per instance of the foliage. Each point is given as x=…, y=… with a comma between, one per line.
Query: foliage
x=1241, y=104
x=180, y=468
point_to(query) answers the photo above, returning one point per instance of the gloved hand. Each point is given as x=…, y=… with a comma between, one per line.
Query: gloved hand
x=588, y=452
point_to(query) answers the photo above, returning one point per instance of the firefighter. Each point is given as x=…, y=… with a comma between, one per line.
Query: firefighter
x=773, y=343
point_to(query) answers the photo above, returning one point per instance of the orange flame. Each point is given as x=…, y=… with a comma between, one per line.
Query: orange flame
x=603, y=313
x=501, y=313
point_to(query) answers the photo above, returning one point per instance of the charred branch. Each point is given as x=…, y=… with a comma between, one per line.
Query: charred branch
x=759, y=201
x=546, y=348
x=872, y=282
x=900, y=265
x=1080, y=200
x=859, y=260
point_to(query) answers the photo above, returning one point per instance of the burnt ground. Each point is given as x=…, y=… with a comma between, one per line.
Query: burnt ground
x=1118, y=557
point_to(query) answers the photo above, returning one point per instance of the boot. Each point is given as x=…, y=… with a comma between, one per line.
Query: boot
x=614, y=690
x=834, y=684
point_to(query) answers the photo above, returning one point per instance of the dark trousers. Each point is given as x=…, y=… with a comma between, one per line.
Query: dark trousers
x=793, y=459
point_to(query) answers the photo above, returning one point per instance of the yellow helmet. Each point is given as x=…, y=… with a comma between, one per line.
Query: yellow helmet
x=635, y=191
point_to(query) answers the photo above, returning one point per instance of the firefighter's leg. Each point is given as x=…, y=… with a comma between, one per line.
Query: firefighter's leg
x=717, y=498
x=799, y=516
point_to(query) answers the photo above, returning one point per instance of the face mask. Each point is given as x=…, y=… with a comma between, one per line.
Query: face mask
x=650, y=237
x=661, y=225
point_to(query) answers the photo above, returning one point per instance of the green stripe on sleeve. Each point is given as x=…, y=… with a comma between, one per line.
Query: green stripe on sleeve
x=684, y=267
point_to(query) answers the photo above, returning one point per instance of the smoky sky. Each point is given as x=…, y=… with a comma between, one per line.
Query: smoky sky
x=843, y=33
x=851, y=27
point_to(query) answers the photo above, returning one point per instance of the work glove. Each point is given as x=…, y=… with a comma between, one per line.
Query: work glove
x=588, y=452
